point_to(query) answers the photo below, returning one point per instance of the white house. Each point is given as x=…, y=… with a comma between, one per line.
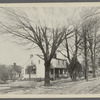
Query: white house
x=57, y=70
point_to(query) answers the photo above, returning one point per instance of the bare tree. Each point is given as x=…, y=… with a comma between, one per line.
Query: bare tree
x=30, y=70
x=85, y=51
x=72, y=51
x=89, y=21
x=87, y=26
x=47, y=38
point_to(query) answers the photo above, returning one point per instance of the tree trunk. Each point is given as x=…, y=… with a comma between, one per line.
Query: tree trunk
x=86, y=73
x=47, y=76
x=92, y=50
x=85, y=54
x=30, y=77
x=94, y=75
x=94, y=67
x=86, y=69
x=93, y=63
x=67, y=48
x=75, y=56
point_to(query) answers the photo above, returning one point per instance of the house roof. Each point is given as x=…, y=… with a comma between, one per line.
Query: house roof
x=41, y=56
x=58, y=63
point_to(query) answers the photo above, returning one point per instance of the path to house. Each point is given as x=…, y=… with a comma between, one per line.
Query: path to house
x=63, y=86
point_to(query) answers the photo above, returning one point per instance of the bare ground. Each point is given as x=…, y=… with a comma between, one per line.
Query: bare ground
x=62, y=86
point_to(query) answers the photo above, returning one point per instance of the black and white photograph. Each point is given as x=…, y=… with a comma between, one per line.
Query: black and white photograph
x=50, y=49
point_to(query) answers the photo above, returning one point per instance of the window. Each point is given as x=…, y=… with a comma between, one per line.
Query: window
x=34, y=71
x=39, y=61
x=63, y=62
x=31, y=69
x=58, y=62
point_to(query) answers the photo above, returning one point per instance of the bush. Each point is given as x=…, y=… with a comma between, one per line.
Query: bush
x=4, y=73
x=75, y=68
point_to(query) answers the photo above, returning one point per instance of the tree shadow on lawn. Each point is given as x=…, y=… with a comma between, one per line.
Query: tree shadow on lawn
x=16, y=88
x=54, y=84
x=69, y=81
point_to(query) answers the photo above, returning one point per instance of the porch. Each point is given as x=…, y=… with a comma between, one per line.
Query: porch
x=57, y=73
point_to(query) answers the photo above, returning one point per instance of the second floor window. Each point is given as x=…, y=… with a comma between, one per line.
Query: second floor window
x=39, y=61
x=58, y=62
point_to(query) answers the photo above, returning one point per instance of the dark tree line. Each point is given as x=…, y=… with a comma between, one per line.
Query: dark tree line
x=9, y=72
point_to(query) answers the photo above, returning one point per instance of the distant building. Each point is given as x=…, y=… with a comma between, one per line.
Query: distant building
x=57, y=70
x=15, y=72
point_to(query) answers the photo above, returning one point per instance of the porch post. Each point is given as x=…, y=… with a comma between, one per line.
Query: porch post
x=54, y=73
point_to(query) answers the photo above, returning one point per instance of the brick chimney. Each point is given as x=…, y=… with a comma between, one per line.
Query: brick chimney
x=14, y=64
x=55, y=56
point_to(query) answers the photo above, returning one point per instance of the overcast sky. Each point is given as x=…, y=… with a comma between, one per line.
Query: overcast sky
x=12, y=53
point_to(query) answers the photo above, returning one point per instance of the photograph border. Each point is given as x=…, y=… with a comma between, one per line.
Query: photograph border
x=82, y=97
